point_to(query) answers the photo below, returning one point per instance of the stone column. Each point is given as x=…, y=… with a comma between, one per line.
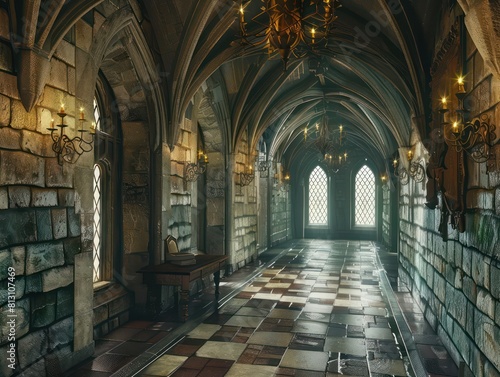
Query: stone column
x=229, y=218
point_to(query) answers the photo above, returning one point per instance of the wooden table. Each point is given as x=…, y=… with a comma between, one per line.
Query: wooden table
x=171, y=274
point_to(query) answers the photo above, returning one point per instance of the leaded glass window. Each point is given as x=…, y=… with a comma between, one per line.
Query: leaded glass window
x=364, y=208
x=97, y=242
x=318, y=197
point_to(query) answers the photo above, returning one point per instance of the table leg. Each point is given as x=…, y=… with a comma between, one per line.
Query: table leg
x=184, y=304
x=217, y=281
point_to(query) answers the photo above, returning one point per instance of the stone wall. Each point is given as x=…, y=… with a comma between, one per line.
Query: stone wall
x=457, y=281
x=281, y=215
x=45, y=222
x=386, y=214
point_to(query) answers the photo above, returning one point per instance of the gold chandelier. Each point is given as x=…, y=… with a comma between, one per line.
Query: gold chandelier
x=330, y=145
x=289, y=26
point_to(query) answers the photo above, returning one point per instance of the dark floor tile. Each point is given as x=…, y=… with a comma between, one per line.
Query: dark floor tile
x=219, y=363
x=103, y=346
x=130, y=348
x=108, y=363
x=138, y=324
x=195, y=362
x=183, y=372
x=213, y=372
x=122, y=333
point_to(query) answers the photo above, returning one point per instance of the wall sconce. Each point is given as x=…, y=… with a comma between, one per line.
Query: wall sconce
x=193, y=170
x=247, y=178
x=285, y=185
x=70, y=149
x=415, y=170
x=475, y=137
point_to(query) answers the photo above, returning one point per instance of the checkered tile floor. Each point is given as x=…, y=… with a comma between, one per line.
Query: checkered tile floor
x=319, y=310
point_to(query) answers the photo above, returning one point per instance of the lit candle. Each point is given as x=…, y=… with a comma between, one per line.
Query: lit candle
x=410, y=155
x=205, y=158
x=395, y=163
x=455, y=127
x=444, y=103
x=461, y=86
x=61, y=110
x=341, y=128
x=92, y=128
x=82, y=115
x=52, y=123
x=340, y=158
x=313, y=33
x=345, y=156
x=242, y=14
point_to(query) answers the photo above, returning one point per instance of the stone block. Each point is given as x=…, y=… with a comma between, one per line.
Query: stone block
x=72, y=246
x=32, y=347
x=66, y=52
x=19, y=196
x=84, y=294
x=5, y=263
x=83, y=35
x=66, y=197
x=6, y=59
x=8, y=85
x=5, y=115
x=58, y=74
x=43, y=309
x=4, y=24
x=43, y=197
x=53, y=98
x=43, y=256
x=61, y=333
x=495, y=280
x=469, y=288
x=57, y=175
x=100, y=314
x=9, y=138
x=480, y=269
x=21, y=168
x=20, y=118
x=74, y=223
x=71, y=80
x=44, y=120
x=57, y=278
x=33, y=283
x=17, y=227
x=18, y=254
x=65, y=302
x=486, y=303
x=59, y=223
x=5, y=370
x=37, y=144
x=44, y=225
x=34, y=369
x=4, y=198
x=20, y=286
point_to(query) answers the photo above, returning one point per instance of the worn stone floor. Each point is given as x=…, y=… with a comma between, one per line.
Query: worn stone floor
x=309, y=308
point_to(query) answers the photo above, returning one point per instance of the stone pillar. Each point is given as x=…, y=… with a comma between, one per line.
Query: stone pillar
x=229, y=221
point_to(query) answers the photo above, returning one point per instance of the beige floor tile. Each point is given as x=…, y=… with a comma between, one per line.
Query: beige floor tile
x=269, y=338
x=221, y=350
x=204, y=331
x=240, y=370
x=164, y=365
x=305, y=360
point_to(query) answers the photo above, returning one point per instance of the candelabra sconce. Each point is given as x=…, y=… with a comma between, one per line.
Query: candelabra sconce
x=70, y=149
x=193, y=170
x=476, y=137
x=263, y=167
x=247, y=177
x=415, y=171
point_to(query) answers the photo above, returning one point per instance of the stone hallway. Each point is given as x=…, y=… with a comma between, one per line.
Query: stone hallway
x=313, y=308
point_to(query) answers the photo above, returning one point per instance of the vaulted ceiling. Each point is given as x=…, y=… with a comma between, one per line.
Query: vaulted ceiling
x=372, y=79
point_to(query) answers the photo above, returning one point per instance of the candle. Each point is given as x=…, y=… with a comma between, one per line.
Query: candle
x=92, y=128
x=395, y=163
x=242, y=14
x=82, y=115
x=455, y=127
x=444, y=103
x=410, y=155
x=345, y=156
x=61, y=110
x=205, y=158
x=461, y=87
x=52, y=123
x=313, y=32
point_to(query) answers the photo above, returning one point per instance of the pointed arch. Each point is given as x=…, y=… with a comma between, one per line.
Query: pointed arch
x=364, y=197
x=318, y=197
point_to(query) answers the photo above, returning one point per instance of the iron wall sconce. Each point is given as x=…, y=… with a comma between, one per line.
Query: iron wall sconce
x=246, y=178
x=475, y=136
x=70, y=149
x=193, y=170
x=415, y=170
x=263, y=167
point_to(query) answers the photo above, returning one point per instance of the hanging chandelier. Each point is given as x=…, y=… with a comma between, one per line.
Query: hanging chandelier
x=288, y=27
x=330, y=145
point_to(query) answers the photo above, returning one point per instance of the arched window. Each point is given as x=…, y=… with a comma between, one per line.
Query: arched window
x=107, y=221
x=97, y=241
x=318, y=197
x=364, y=196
